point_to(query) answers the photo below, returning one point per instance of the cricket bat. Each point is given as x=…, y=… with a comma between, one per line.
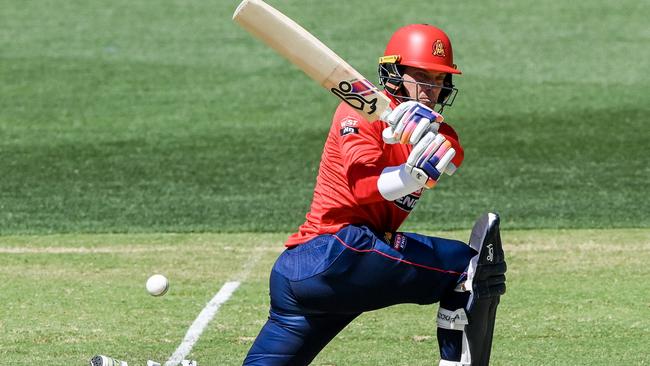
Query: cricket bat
x=318, y=61
x=310, y=55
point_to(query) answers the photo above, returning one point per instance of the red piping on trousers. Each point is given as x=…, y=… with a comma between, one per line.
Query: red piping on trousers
x=397, y=259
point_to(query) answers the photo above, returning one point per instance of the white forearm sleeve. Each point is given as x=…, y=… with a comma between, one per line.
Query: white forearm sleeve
x=395, y=182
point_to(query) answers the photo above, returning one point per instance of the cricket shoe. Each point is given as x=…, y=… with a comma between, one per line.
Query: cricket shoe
x=101, y=360
x=183, y=363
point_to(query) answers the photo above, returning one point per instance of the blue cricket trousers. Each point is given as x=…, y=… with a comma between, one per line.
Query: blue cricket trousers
x=319, y=287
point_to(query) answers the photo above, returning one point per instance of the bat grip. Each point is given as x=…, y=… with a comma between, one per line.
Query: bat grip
x=384, y=114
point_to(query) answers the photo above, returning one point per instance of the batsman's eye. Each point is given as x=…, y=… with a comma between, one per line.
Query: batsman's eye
x=435, y=79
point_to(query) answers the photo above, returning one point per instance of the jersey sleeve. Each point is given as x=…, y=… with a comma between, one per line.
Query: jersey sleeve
x=361, y=149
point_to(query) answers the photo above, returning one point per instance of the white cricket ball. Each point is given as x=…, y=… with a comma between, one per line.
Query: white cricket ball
x=157, y=285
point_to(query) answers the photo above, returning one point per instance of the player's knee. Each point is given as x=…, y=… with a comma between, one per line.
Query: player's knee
x=459, y=255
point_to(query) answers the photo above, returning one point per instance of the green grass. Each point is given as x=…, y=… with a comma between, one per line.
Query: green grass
x=575, y=297
x=166, y=117
x=157, y=122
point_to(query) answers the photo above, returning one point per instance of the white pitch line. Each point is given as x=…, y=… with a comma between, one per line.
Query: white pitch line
x=201, y=322
x=206, y=315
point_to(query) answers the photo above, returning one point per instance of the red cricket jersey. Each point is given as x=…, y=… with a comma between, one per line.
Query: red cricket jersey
x=346, y=188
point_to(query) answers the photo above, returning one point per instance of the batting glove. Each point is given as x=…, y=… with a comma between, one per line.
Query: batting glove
x=409, y=122
x=429, y=158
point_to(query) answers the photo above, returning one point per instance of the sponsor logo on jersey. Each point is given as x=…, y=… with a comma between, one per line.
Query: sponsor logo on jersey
x=407, y=203
x=349, y=126
x=347, y=130
x=399, y=243
x=438, y=48
x=349, y=122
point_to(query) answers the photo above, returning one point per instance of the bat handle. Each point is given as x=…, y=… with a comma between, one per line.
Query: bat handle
x=384, y=114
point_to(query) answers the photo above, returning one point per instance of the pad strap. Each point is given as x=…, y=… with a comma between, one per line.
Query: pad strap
x=453, y=320
x=452, y=363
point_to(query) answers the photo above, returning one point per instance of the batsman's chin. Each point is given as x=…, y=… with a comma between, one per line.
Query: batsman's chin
x=427, y=102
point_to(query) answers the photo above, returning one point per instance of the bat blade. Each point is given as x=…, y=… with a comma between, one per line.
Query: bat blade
x=314, y=58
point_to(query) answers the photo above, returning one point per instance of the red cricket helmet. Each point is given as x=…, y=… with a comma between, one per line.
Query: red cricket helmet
x=423, y=46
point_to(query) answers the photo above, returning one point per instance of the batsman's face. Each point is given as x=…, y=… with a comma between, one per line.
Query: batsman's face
x=423, y=85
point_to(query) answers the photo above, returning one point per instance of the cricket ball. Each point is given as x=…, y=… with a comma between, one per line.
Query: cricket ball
x=157, y=285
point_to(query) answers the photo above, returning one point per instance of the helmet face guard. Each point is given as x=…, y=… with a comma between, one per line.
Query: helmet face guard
x=393, y=81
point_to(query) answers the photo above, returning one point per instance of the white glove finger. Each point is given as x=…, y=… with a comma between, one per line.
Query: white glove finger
x=431, y=149
x=451, y=169
x=419, y=148
x=434, y=127
x=445, y=160
x=423, y=126
x=389, y=136
x=404, y=120
x=397, y=113
x=397, y=123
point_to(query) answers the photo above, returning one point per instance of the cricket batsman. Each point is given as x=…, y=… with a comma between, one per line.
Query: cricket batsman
x=349, y=257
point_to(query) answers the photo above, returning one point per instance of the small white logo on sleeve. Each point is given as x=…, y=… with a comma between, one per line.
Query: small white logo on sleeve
x=349, y=130
x=349, y=122
x=349, y=126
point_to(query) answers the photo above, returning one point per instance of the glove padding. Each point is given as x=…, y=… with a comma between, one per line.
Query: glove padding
x=429, y=158
x=409, y=121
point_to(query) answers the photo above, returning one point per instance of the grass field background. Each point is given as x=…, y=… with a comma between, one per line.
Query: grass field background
x=67, y=297
x=140, y=137
x=148, y=117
